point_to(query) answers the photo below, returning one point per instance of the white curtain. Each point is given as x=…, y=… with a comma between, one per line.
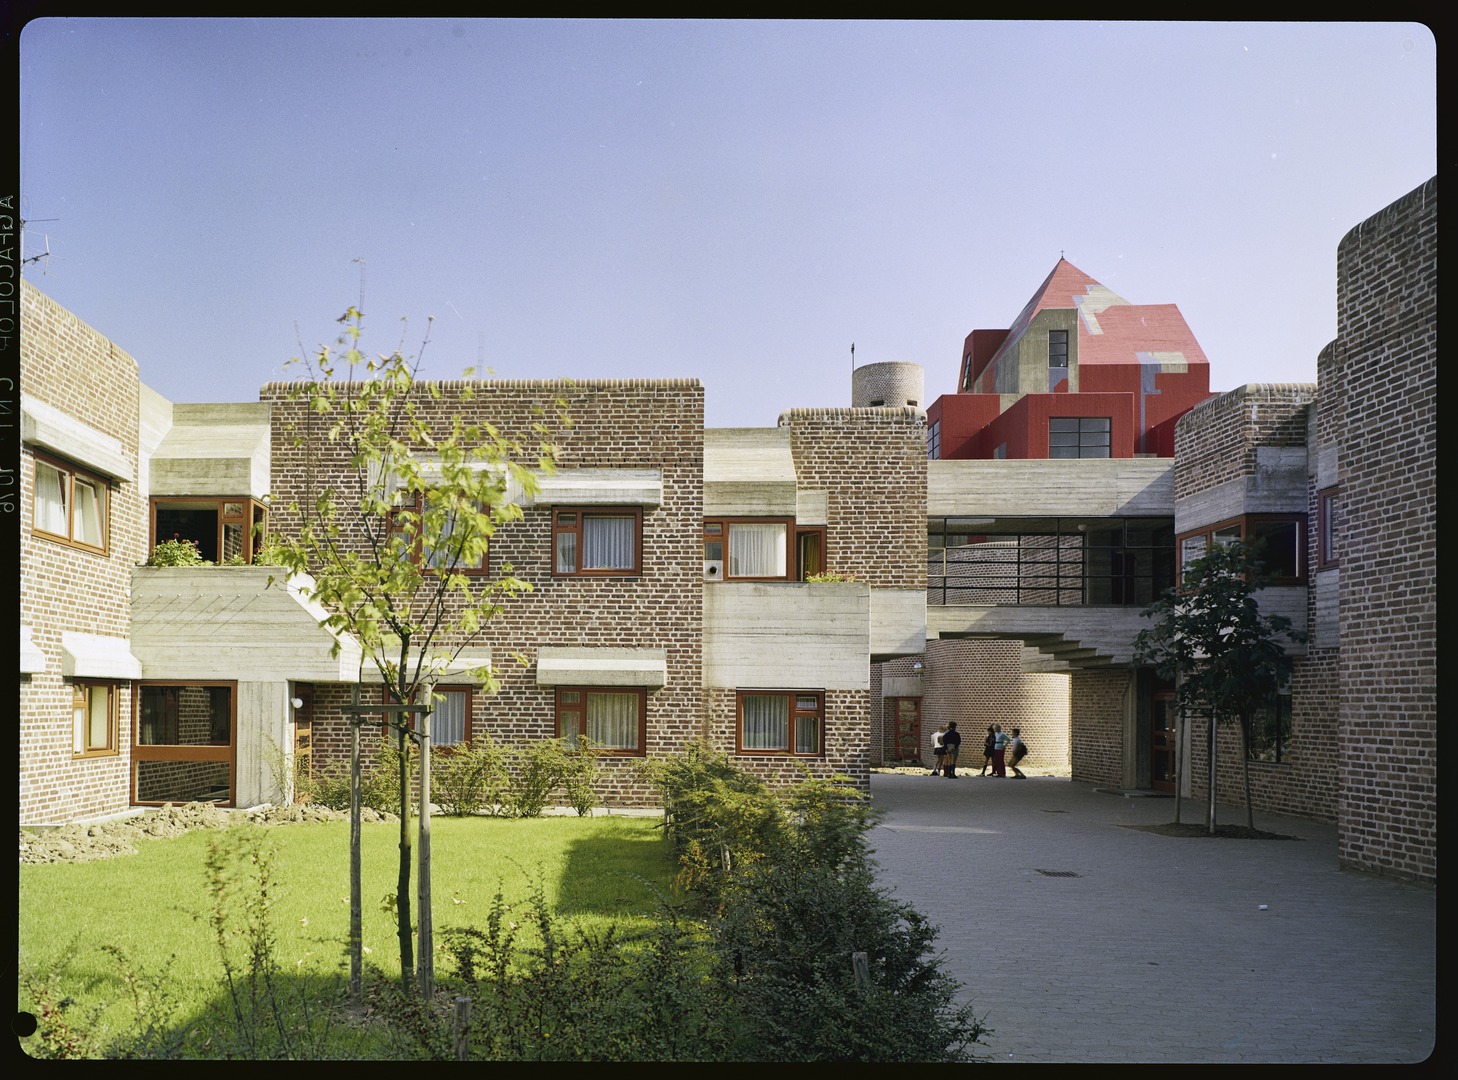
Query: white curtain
x=50, y=500
x=612, y=720
x=448, y=718
x=98, y=718
x=807, y=735
x=756, y=550
x=87, y=527
x=608, y=543
x=766, y=719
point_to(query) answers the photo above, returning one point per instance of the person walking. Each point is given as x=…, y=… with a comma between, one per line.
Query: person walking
x=939, y=749
x=1017, y=750
x=999, y=751
x=953, y=742
x=987, y=750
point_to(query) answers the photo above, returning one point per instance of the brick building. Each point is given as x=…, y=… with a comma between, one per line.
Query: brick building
x=1002, y=544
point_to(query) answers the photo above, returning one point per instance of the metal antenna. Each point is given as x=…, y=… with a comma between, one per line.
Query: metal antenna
x=43, y=255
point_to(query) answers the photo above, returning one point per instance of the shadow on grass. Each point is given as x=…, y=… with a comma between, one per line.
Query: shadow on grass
x=609, y=875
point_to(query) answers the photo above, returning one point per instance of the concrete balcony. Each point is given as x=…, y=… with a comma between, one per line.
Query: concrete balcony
x=228, y=622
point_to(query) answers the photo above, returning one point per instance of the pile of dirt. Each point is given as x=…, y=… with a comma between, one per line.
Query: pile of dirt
x=119, y=836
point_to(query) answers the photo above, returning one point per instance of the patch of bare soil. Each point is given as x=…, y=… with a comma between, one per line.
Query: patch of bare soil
x=108, y=839
x=1191, y=829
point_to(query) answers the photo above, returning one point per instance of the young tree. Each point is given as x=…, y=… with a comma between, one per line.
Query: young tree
x=1225, y=658
x=388, y=538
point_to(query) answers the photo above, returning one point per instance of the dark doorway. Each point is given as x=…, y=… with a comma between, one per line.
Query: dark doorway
x=906, y=726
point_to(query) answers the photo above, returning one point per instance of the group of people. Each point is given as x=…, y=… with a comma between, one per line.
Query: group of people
x=1000, y=751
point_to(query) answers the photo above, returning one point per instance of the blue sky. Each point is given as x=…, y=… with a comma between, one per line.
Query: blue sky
x=732, y=201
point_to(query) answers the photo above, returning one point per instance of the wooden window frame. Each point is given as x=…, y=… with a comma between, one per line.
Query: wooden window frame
x=470, y=728
x=796, y=713
x=251, y=512
x=70, y=474
x=417, y=546
x=574, y=528
x=561, y=705
x=792, y=553
x=1245, y=527
x=208, y=752
x=81, y=689
x=802, y=531
x=1328, y=507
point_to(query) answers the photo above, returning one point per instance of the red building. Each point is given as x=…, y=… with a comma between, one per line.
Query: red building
x=1080, y=373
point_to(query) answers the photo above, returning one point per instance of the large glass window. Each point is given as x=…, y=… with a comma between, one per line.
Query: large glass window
x=1048, y=561
x=183, y=742
x=612, y=720
x=781, y=722
x=94, y=718
x=1079, y=437
x=1279, y=541
x=756, y=549
x=70, y=505
x=223, y=530
x=590, y=542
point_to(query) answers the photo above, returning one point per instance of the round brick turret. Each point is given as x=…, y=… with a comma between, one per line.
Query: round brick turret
x=894, y=384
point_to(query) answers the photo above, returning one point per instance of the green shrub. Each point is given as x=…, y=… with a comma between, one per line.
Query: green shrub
x=579, y=776
x=791, y=899
x=537, y=770
x=471, y=778
x=176, y=553
x=543, y=991
x=379, y=783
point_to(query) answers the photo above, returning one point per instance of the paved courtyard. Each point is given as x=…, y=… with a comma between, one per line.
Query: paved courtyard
x=1082, y=939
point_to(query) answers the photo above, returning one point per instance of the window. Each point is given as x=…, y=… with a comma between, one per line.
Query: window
x=597, y=542
x=183, y=743
x=94, y=715
x=1058, y=349
x=450, y=719
x=70, y=505
x=222, y=530
x=614, y=721
x=1079, y=437
x=1277, y=540
x=1328, y=528
x=781, y=722
x=934, y=440
x=809, y=552
x=749, y=548
x=446, y=556
x=1048, y=561
x=967, y=372
x=1270, y=730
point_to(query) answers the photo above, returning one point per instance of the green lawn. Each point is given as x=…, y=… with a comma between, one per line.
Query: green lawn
x=155, y=905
